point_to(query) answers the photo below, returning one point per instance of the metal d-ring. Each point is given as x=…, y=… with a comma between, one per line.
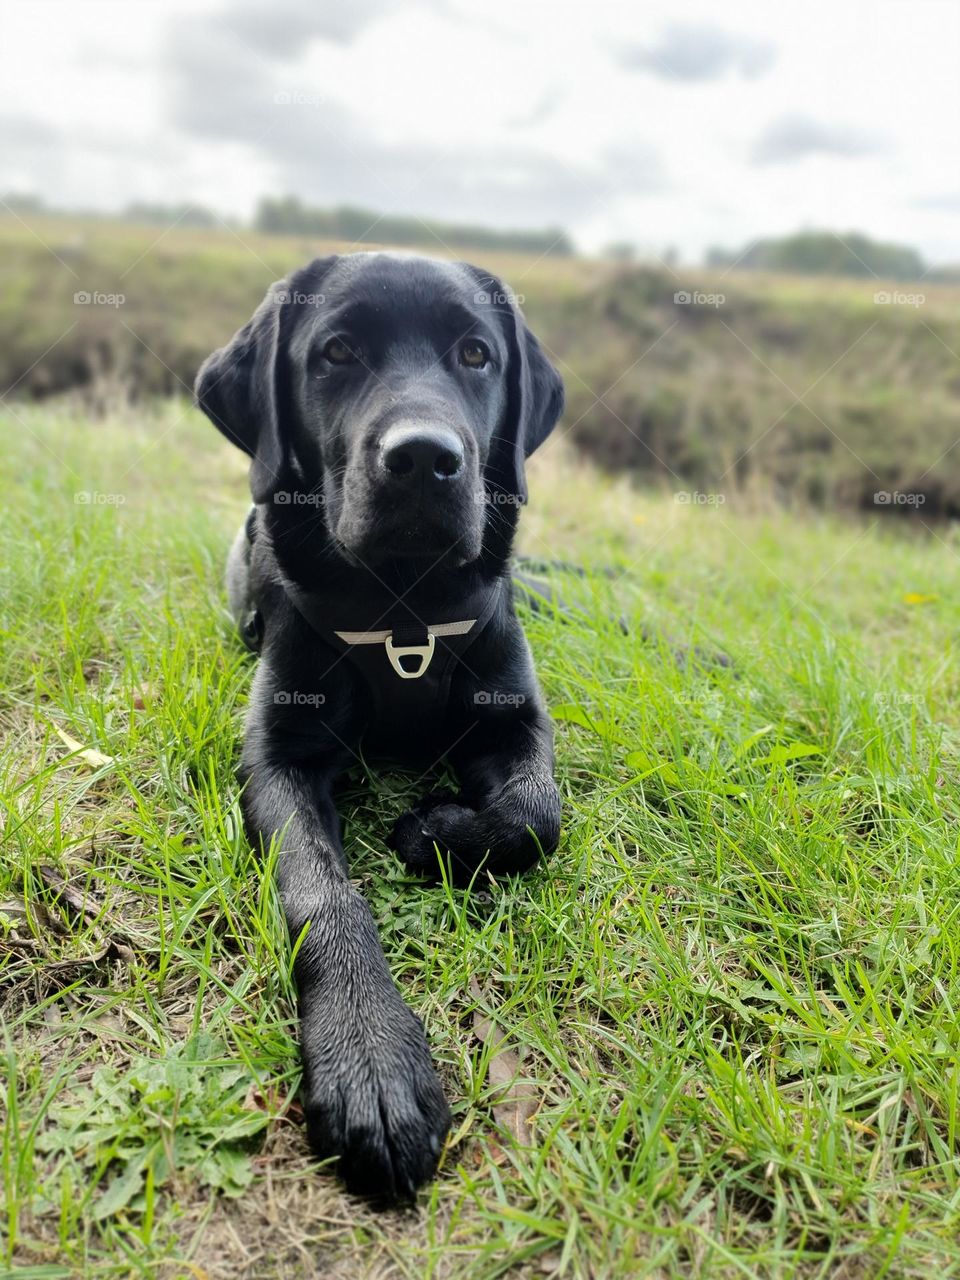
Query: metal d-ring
x=423, y=651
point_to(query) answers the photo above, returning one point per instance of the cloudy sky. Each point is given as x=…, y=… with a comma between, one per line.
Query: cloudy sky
x=667, y=124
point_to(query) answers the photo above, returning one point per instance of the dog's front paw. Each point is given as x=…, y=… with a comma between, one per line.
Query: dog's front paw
x=419, y=831
x=505, y=837
x=373, y=1098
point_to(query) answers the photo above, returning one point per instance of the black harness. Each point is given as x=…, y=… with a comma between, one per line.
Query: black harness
x=405, y=662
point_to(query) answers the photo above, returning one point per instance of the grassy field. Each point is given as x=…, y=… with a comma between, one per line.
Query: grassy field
x=807, y=386
x=717, y=1034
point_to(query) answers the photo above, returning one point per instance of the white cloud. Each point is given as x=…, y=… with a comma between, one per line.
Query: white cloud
x=536, y=114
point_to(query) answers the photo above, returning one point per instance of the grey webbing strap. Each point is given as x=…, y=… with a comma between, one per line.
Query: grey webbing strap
x=410, y=645
x=433, y=629
x=421, y=643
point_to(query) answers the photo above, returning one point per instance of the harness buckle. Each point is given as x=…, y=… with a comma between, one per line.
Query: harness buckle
x=422, y=651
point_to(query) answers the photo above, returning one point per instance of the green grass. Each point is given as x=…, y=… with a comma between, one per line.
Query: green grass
x=733, y=990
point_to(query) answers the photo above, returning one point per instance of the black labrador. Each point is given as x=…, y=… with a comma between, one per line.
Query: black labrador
x=387, y=403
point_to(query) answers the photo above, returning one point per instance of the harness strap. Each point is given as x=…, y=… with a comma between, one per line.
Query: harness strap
x=410, y=646
x=410, y=681
x=433, y=628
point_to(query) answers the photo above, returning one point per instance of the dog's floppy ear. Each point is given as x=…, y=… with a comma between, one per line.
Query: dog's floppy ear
x=241, y=387
x=540, y=393
x=237, y=389
x=534, y=394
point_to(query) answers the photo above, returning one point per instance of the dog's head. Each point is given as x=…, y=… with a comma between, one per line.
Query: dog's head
x=399, y=396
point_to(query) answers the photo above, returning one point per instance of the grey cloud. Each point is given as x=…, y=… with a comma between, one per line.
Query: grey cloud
x=216, y=86
x=21, y=133
x=55, y=163
x=221, y=91
x=545, y=106
x=283, y=27
x=696, y=53
x=945, y=201
x=34, y=160
x=319, y=150
x=793, y=138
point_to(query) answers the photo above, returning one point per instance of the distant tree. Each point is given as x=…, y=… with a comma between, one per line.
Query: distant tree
x=949, y=273
x=287, y=215
x=17, y=202
x=184, y=215
x=824, y=253
x=620, y=251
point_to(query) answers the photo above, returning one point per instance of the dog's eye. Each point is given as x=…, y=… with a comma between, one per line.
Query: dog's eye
x=473, y=354
x=337, y=352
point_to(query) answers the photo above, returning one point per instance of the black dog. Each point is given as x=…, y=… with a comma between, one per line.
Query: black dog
x=387, y=404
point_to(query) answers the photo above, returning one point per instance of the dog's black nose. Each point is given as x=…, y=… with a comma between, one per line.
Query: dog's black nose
x=417, y=453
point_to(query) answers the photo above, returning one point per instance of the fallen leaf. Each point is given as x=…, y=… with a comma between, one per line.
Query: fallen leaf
x=96, y=759
x=272, y=1102
x=14, y=910
x=18, y=944
x=142, y=695
x=516, y=1103
x=86, y=906
x=114, y=941
x=60, y=966
x=917, y=597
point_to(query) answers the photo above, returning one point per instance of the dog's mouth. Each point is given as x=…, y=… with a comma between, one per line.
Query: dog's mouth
x=371, y=526
x=424, y=541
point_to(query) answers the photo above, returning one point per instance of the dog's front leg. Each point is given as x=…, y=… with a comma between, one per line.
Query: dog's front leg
x=508, y=811
x=371, y=1094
